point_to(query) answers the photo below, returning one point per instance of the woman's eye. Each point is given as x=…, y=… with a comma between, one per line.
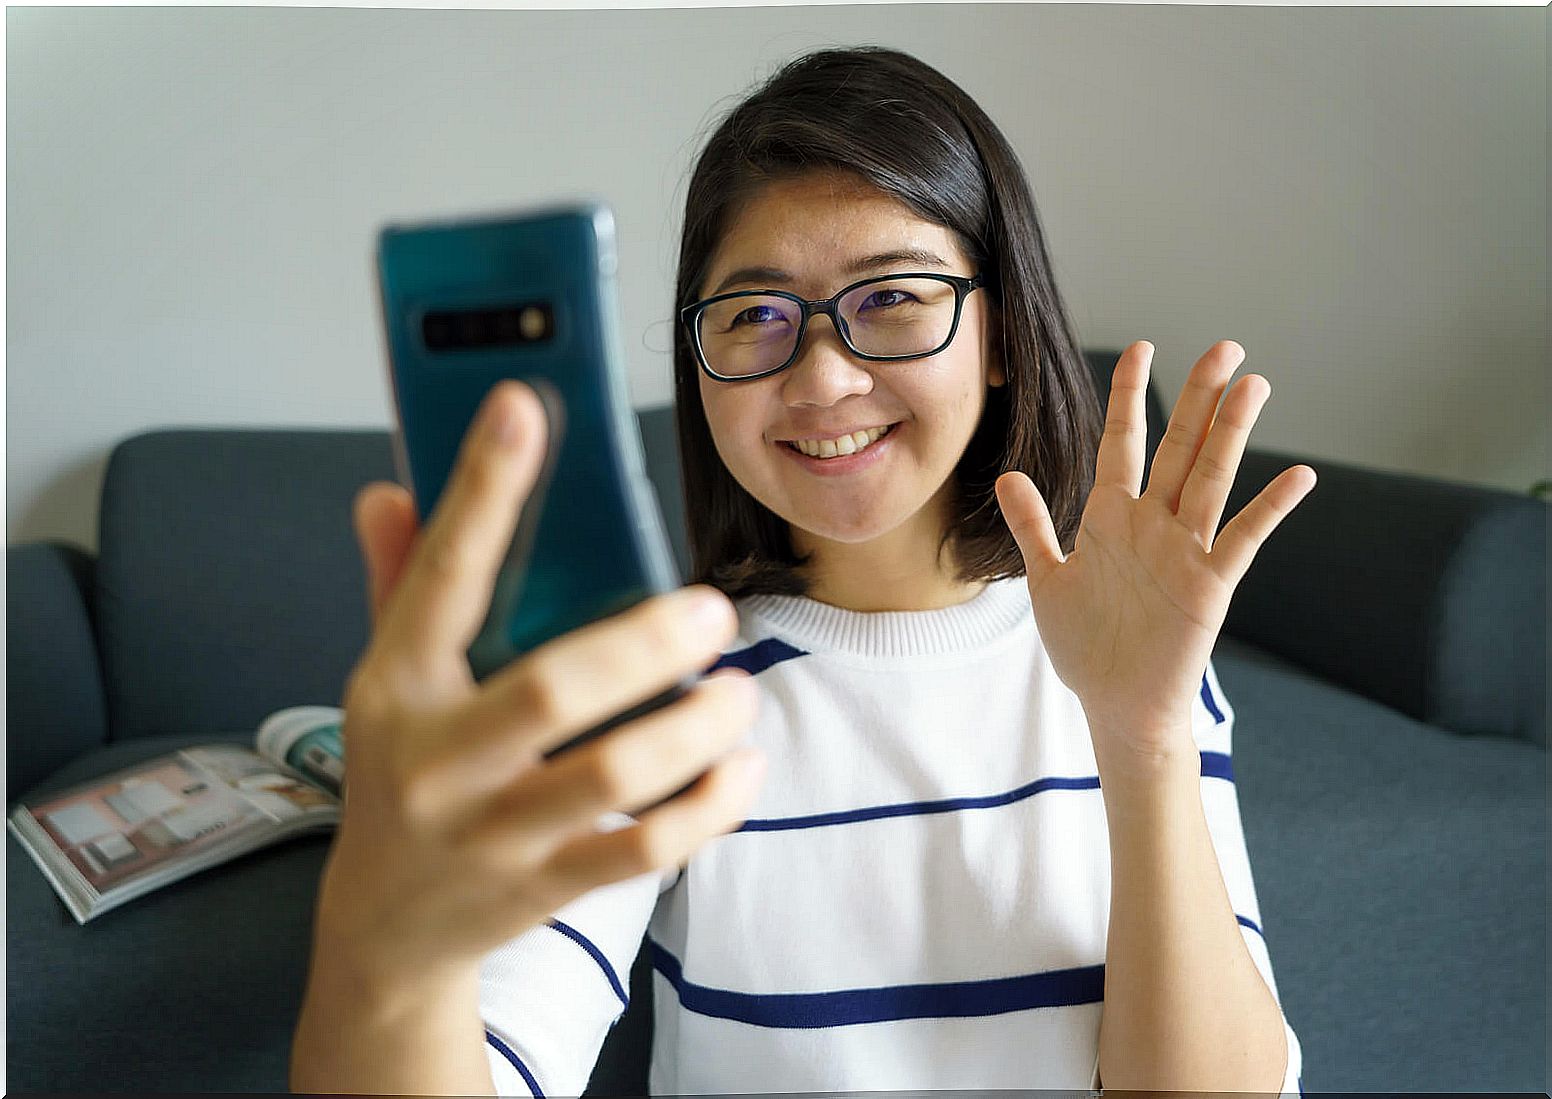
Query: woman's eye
x=756, y=314
x=872, y=301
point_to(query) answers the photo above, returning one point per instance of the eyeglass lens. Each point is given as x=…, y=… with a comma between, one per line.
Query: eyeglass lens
x=756, y=333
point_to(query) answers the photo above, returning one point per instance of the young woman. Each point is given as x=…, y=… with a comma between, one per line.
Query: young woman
x=967, y=819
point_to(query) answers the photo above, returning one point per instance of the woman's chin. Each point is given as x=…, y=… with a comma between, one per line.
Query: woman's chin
x=812, y=528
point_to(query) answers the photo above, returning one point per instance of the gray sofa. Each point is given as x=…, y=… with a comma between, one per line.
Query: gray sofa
x=1386, y=657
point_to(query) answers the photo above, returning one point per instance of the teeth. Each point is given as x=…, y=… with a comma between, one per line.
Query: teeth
x=846, y=444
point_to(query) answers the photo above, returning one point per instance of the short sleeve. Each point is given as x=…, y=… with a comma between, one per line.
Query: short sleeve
x=1212, y=719
x=549, y=996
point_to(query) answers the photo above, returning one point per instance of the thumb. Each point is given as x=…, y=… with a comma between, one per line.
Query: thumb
x=1024, y=510
x=386, y=526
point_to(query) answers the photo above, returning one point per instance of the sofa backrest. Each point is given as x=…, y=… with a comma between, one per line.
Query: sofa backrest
x=229, y=582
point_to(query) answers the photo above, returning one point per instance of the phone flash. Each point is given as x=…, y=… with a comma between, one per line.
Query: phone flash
x=531, y=322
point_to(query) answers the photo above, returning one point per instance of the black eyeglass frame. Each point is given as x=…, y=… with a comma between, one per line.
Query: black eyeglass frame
x=689, y=316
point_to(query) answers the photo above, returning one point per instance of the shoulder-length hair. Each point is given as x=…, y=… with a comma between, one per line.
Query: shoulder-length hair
x=907, y=130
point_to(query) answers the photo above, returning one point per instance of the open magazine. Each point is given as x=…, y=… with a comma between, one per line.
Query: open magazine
x=120, y=836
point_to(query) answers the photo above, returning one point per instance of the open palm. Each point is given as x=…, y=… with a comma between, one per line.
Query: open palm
x=1129, y=618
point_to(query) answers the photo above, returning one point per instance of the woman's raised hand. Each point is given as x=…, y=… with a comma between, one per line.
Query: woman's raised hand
x=457, y=834
x=1129, y=618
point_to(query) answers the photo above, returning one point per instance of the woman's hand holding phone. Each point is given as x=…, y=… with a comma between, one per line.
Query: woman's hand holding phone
x=457, y=835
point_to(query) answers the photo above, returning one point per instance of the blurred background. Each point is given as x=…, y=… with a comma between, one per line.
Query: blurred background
x=1358, y=196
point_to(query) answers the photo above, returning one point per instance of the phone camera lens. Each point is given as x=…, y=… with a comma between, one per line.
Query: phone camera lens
x=436, y=331
x=471, y=329
x=508, y=327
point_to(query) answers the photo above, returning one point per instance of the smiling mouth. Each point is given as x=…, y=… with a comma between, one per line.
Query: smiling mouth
x=841, y=447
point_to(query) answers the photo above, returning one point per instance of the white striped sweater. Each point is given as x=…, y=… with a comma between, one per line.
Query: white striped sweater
x=919, y=899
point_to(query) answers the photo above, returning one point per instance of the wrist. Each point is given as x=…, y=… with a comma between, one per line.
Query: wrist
x=1148, y=773
x=1148, y=748
x=384, y=977
x=1128, y=764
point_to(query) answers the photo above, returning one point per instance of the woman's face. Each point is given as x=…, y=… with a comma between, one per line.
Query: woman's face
x=810, y=234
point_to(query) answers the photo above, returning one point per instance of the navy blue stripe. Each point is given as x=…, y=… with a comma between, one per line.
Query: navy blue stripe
x=1212, y=703
x=959, y=999
x=1217, y=765
x=1300, y=1081
x=517, y=1063
x=757, y=657
x=918, y=808
x=598, y=956
x=1214, y=765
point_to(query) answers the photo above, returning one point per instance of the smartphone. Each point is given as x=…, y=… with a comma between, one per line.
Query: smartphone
x=529, y=294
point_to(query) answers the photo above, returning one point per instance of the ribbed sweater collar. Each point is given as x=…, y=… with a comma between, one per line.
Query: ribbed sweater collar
x=820, y=627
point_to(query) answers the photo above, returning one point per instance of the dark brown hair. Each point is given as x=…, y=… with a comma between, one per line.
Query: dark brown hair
x=902, y=127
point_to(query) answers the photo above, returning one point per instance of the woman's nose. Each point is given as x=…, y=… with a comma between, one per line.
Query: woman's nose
x=825, y=369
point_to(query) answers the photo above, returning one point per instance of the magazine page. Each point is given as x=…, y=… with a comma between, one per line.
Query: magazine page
x=117, y=837
x=307, y=739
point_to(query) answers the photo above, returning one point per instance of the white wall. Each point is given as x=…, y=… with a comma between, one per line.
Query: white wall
x=1356, y=195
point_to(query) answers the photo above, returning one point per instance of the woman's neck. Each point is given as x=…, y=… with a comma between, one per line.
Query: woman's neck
x=875, y=593
x=887, y=574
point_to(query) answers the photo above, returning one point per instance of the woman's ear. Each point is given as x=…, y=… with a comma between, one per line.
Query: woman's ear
x=996, y=361
x=992, y=348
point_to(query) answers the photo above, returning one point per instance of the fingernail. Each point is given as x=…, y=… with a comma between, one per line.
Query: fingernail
x=710, y=610
x=501, y=418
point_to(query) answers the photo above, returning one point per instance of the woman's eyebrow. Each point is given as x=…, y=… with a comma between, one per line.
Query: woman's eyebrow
x=776, y=276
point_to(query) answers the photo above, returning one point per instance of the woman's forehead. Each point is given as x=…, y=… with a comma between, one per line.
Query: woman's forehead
x=818, y=207
x=795, y=232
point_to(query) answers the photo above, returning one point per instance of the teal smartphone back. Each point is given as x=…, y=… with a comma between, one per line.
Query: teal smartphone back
x=528, y=295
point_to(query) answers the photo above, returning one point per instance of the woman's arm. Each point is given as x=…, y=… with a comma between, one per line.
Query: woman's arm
x=1186, y=1009
x=1129, y=619
x=366, y=1028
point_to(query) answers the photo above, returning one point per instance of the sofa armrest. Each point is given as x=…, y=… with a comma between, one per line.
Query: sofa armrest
x=54, y=697
x=1425, y=595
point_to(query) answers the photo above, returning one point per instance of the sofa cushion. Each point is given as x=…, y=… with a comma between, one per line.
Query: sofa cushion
x=53, y=688
x=1401, y=873
x=1428, y=596
x=229, y=583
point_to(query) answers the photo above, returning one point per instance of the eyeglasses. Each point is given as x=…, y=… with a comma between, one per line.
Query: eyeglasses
x=750, y=334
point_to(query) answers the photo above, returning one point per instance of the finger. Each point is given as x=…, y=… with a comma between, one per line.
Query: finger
x=1212, y=475
x=665, y=836
x=1028, y=518
x=575, y=682
x=637, y=764
x=446, y=589
x=385, y=523
x=1243, y=536
x=1190, y=421
x=1123, y=446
